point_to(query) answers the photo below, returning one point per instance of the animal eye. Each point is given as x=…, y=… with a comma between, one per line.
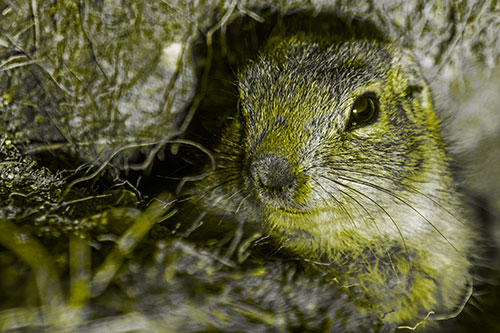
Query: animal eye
x=364, y=111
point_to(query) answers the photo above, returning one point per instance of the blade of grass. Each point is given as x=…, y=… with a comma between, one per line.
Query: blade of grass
x=29, y=250
x=126, y=244
x=79, y=265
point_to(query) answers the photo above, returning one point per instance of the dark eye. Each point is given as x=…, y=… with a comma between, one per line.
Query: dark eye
x=364, y=111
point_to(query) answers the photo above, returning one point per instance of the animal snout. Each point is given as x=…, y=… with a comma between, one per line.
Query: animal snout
x=274, y=177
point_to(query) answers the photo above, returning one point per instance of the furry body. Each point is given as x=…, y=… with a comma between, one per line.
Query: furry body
x=372, y=198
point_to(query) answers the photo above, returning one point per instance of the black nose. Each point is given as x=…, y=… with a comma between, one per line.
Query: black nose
x=274, y=175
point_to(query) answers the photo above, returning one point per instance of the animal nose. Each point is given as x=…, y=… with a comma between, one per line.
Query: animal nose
x=273, y=174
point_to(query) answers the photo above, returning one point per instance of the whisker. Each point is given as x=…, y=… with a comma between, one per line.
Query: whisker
x=361, y=182
x=338, y=202
x=377, y=204
x=367, y=212
x=213, y=188
x=412, y=188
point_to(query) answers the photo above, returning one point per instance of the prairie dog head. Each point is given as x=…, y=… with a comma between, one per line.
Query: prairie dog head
x=339, y=137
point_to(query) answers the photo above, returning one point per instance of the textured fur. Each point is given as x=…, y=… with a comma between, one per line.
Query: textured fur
x=375, y=204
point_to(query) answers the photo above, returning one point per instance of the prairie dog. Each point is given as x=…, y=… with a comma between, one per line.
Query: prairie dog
x=336, y=153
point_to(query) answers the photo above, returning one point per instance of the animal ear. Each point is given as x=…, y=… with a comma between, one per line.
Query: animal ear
x=415, y=87
x=413, y=91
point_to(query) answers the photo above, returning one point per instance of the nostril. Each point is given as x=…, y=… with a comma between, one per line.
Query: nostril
x=274, y=174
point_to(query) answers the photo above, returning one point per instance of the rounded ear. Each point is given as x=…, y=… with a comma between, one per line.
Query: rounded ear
x=413, y=86
x=406, y=64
